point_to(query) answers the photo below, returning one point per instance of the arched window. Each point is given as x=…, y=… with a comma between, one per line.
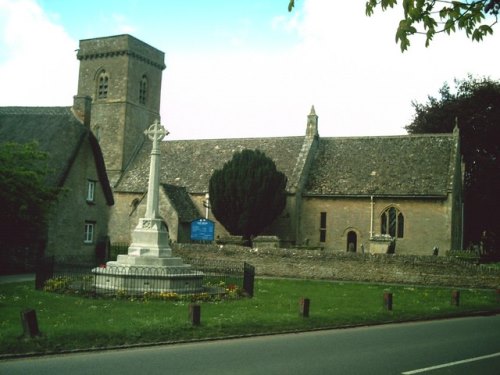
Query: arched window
x=143, y=90
x=102, y=85
x=392, y=222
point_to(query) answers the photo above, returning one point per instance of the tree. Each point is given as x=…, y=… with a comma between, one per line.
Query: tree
x=474, y=105
x=248, y=193
x=430, y=17
x=25, y=198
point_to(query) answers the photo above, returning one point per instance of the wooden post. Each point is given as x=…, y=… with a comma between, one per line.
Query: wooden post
x=455, y=297
x=195, y=314
x=304, y=307
x=30, y=323
x=248, y=278
x=388, y=301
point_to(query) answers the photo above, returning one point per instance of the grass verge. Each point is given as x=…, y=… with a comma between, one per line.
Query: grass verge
x=70, y=322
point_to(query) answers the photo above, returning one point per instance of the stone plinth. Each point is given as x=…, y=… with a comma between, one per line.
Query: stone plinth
x=149, y=241
x=149, y=265
x=140, y=279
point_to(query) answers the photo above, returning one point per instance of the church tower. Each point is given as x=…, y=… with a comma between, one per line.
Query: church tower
x=122, y=75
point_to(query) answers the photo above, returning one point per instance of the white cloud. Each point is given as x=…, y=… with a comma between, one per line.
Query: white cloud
x=333, y=56
x=122, y=25
x=39, y=57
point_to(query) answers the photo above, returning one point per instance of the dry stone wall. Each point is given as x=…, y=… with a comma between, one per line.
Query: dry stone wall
x=316, y=264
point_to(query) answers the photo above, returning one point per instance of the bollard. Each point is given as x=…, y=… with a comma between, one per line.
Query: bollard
x=304, y=307
x=30, y=323
x=455, y=297
x=388, y=301
x=195, y=314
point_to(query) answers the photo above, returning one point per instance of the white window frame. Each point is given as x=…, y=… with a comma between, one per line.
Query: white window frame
x=88, y=235
x=91, y=185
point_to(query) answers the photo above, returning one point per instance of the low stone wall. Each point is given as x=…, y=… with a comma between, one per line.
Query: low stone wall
x=317, y=264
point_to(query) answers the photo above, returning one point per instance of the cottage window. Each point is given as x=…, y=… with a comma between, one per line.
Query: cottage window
x=91, y=190
x=89, y=232
x=322, y=227
x=143, y=90
x=102, y=85
x=392, y=222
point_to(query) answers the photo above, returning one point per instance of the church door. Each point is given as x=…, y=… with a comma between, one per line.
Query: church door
x=352, y=240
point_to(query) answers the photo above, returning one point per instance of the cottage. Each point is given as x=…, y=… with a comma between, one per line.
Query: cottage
x=78, y=222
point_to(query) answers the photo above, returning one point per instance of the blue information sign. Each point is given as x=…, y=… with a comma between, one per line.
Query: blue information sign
x=202, y=230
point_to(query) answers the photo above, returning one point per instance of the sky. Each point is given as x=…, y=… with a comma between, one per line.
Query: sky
x=244, y=68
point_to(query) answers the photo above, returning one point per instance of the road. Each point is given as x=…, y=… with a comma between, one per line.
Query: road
x=454, y=346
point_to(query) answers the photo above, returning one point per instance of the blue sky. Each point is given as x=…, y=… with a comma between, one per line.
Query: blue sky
x=240, y=68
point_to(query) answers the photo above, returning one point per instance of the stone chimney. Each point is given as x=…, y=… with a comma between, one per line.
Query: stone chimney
x=81, y=108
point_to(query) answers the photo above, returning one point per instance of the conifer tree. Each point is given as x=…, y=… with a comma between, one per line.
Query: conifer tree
x=248, y=193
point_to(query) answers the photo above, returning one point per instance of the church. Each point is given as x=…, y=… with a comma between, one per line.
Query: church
x=343, y=194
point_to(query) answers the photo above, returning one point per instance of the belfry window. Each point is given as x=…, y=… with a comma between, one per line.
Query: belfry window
x=143, y=90
x=392, y=222
x=102, y=85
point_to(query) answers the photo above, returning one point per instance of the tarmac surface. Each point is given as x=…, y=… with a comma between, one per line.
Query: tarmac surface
x=5, y=279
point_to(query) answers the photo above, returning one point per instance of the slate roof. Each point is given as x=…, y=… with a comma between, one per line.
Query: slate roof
x=190, y=163
x=181, y=202
x=58, y=132
x=414, y=165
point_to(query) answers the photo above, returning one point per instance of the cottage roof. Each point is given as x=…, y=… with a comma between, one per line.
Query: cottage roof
x=181, y=202
x=411, y=165
x=57, y=132
x=190, y=163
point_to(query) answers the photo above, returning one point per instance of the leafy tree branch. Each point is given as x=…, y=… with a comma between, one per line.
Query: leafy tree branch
x=431, y=17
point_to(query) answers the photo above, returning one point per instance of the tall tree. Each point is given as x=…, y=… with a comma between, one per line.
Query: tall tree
x=248, y=193
x=430, y=17
x=25, y=199
x=474, y=105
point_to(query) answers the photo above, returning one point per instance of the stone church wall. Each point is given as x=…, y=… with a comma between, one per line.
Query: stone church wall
x=123, y=216
x=427, y=223
x=317, y=264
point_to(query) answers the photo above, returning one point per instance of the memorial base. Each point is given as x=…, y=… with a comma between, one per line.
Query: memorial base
x=141, y=279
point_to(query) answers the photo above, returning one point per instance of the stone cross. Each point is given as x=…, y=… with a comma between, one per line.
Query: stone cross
x=156, y=132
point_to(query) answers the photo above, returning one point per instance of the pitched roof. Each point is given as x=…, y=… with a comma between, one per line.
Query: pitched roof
x=190, y=163
x=414, y=165
x=182, y=203
x=57, y=132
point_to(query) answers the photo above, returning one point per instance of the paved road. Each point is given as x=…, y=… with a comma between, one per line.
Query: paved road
x=456, y=346
x=4, y=279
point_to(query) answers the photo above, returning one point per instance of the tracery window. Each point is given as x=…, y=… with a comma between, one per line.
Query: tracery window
x=102, y=85
x=143, y=90
x=392, y=222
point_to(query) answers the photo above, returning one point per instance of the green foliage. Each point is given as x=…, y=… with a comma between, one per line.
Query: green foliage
x=25, y=197
x=58, y=285
x=248, y=193
x=474, y=105
x=429, y=17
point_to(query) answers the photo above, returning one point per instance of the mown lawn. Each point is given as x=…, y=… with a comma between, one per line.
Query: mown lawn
x=74, y=322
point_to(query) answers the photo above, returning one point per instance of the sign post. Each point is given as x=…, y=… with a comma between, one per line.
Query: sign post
x=202, y=230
